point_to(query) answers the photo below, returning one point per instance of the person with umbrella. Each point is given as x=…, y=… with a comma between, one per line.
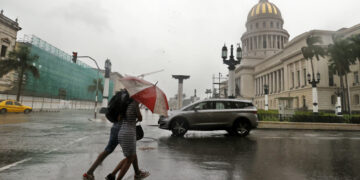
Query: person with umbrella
x=153, y=98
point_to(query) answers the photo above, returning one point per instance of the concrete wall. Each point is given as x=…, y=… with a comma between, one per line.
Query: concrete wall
x=48, y=104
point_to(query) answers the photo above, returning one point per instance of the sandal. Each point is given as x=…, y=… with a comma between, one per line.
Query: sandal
x=142, y=175
x=87, y=176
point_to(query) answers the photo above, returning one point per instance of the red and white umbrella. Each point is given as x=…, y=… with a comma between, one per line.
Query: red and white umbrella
x=147, y=94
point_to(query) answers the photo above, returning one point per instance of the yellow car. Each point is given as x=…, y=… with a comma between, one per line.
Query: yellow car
x=13, y=106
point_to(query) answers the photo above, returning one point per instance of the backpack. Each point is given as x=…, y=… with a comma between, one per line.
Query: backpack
x=118, y=105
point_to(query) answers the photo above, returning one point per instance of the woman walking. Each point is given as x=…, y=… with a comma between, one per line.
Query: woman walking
x=127, y=141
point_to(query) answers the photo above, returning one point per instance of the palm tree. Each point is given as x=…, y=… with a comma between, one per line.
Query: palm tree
x=309, y=52
x=341, y=57
x=92, y=87
x=21, y=61
x=355, y=40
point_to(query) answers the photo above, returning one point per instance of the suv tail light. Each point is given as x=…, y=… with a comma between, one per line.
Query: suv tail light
x=255, y=112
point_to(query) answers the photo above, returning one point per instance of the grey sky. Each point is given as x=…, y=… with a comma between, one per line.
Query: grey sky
x=180, y=36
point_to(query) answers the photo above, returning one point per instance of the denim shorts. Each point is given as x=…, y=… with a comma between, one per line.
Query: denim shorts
x=113, y=139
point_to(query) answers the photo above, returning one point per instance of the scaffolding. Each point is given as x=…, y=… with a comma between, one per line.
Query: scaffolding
x=60, y=78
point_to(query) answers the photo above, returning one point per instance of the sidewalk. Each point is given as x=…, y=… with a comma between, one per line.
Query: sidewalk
x=311, y=126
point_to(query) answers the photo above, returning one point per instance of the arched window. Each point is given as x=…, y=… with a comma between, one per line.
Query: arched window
x=257, y=25
x=333, y=99
x=271, y=24
x=356, y=99
x=264, y=24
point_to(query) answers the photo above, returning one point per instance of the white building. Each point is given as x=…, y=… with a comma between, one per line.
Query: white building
x=269, y=58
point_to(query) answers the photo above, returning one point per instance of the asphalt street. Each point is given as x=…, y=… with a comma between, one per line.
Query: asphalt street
x=62, y=145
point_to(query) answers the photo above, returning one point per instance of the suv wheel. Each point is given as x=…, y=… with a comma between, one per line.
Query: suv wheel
x=179, y=127
x=27, y=111
x=3, y=111
x=241, y=128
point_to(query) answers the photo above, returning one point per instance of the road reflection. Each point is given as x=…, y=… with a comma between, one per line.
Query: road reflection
x=276, y=156
x=218, y=153
x=13, y=118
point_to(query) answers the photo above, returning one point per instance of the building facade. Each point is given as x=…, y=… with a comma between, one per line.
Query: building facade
x=271, y=59
x=60, y=77
x=8, y=35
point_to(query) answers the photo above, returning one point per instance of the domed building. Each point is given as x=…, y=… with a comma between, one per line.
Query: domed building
x=270, y=58
x=265, y=34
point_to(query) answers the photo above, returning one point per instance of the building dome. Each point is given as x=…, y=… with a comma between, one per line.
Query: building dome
x=264, y=34
x=264, y=9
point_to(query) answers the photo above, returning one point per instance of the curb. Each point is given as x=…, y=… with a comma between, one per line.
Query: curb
x=310, y=126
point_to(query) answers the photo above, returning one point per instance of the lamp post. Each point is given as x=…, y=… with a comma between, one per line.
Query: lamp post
x=338, y=101
x=231, y=66
x=266, y=92
x=106, y=86
x=313, y=83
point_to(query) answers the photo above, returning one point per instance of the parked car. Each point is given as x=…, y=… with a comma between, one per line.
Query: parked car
x=237, y=117
x=13, y=106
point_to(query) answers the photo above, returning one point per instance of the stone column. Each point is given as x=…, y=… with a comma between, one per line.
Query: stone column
x=261, y=85
x=279, y=79
x=256, y=87
x=276, y=81
x=300, y=74
x=231, y=83
x=180, y=88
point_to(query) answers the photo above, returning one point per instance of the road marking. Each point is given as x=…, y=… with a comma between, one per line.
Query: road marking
x=14, y=164
x=73, y=142
x=47, y=152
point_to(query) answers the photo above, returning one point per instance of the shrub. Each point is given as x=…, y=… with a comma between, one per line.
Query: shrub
x=318, y=119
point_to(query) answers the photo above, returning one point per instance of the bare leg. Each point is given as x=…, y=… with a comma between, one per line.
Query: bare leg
x=118, y=167
x=98, y=161
x=135, y=166
x=125, y=167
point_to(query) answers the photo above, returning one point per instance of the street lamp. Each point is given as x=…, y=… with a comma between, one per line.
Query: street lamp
x=313, y=83
x=231, y=66
x=338, y=101
x=106, y=86
x=266, y=91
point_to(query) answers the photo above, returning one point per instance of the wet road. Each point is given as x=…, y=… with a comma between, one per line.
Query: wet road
x=62, y=146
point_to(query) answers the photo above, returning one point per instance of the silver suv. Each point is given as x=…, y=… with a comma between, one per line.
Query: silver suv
x=237, y=117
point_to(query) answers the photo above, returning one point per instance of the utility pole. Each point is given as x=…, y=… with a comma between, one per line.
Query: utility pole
x=106, y=86
x=219, y=78
x=97, y=79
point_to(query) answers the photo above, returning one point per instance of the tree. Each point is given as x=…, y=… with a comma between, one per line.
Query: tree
x=341, y=57
x=20, y=60
x=92, y=87
x=355, y=46
x=309, y=52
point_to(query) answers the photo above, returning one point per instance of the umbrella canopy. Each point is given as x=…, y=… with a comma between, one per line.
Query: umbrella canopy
x=147, y=94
